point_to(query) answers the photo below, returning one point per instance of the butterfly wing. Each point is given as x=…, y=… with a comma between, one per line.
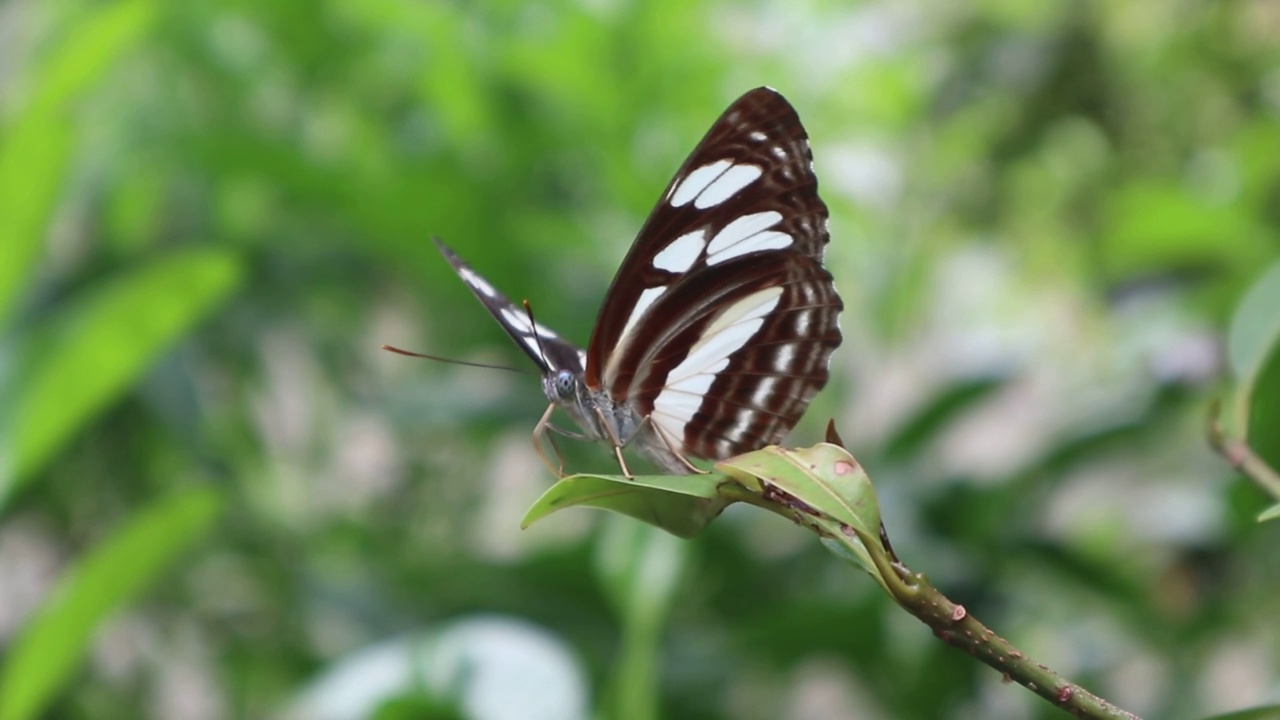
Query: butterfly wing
x=721, y=321
x=749, y=350
x=540, y=343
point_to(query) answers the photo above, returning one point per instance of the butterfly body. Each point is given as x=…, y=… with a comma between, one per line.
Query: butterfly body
x=718, y=327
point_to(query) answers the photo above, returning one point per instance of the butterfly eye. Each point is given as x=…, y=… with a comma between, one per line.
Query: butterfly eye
x=564, y=383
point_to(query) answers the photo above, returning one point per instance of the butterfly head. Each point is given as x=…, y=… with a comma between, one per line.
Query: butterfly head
x=566, y=389
x=560, y=386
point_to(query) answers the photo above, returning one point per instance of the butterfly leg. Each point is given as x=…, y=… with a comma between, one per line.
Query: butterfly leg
x=622, y=463
x=646, y=424
x=693, y=469
x=540, y=431
x=616, y=442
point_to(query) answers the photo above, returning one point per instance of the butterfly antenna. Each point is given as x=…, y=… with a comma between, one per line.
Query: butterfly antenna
x=528, y=309
x=424, y=356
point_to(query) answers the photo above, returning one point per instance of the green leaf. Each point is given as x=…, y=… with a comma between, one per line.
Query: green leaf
x=109, y=576
x=824, y=486
x=850, y=549
x=1255, y=326
x=824, y=477
x=37, y=142
x=680, y=504
x=1262, y=398
x=91, y=352
x=1271, y=513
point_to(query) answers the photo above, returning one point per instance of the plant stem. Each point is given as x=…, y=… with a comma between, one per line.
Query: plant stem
x=949, y=621
x=953, y=624
x=1240, y=456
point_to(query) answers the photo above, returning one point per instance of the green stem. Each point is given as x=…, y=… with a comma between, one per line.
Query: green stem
x=637, y=673
x=1241, y=457
x=641, y=566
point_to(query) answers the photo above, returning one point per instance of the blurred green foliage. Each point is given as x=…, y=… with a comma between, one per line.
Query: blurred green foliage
x=1044, y=217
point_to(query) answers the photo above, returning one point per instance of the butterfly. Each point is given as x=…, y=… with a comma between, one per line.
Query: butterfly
x=719, y=326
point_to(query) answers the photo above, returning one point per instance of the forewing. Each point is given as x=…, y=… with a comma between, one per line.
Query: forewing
x=541, y=344
x=747, y=188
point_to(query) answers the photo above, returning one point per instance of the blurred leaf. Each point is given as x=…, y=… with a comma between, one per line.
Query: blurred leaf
x=1255, y=326
x=88, y=354
x=86, y=50
x=938, y=415
x=457, y=83
x=32, y=165
x=1256, y=153
x=1271, y=513
x=112, y=574
x=640, y=567
x=1270, y=712
x=680, y=504
x=137, y=207
x=1263, y=408
x=36, y=144
x=1156, y=226
x=418, y=706
x=637, y=566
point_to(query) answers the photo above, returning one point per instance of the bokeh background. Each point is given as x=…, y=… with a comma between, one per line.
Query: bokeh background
x=220, y=499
